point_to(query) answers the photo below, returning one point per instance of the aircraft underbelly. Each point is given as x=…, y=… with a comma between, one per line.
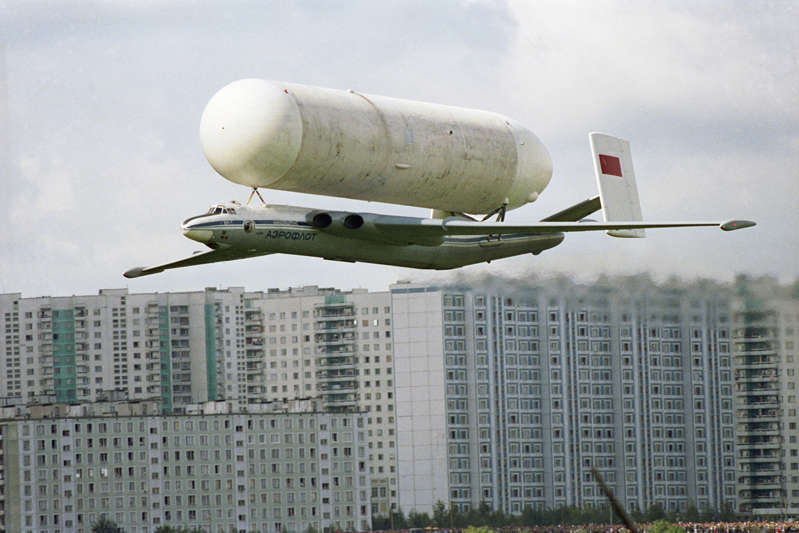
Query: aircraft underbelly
x=453, y=253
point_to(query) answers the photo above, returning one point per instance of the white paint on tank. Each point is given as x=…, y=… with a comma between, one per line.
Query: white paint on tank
x=343, y=143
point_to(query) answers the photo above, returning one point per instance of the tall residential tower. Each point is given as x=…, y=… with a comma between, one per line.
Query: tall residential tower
x=509, y=392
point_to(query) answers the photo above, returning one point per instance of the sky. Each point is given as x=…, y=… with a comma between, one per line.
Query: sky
x=100, y=104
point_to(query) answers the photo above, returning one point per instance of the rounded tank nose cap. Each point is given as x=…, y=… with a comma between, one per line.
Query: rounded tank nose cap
x=251, y=131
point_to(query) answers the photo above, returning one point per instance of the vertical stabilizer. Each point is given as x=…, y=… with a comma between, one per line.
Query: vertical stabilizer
x=613, y=167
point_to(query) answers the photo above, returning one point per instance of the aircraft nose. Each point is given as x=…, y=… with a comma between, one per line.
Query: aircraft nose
x=200, y=235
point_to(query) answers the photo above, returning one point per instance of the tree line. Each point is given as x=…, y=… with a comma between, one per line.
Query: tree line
x=482, y=515
x=448, y=517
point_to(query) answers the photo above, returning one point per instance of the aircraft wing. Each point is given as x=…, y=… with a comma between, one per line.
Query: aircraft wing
x=200, y=258
x=457, y=226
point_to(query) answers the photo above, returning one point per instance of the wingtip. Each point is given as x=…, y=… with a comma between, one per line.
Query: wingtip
x=733, y=225
x=134, y=272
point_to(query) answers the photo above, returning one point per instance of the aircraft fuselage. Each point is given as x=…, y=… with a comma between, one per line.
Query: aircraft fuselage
x=292, y=230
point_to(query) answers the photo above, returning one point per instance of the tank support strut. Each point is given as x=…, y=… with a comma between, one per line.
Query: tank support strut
x=499, y=211
x=255, y=192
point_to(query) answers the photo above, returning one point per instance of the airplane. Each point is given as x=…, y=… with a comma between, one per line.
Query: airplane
x=447, y=240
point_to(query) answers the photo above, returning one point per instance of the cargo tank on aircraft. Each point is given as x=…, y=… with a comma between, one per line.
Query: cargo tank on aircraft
x=330, y=142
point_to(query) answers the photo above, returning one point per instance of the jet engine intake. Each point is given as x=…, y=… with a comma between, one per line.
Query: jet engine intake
x=353, y=221
x=321, y=220
x=362, y=226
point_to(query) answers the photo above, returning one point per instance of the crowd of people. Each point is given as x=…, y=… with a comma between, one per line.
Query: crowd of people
x=740, y=527
x=688, y=527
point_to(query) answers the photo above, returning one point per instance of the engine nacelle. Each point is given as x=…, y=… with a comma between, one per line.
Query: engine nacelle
x=362, y=226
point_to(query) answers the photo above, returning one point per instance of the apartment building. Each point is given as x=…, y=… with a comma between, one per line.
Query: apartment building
x=336, y=346
x=188, y=347
x=222, y=472
x=496, y=390
x=79, y=348
x=766, y=337
x=509, y=392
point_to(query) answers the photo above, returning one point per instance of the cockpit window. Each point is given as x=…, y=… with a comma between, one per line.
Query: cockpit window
x=214, y=210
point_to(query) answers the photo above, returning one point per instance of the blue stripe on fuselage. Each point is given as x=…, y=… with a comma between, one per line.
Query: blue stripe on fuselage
x=227, y=223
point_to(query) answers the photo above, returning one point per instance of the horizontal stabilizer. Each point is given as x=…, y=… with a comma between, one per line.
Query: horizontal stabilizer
x=576, y=212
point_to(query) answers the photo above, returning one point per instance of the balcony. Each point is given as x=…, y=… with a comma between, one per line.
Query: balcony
x=758, y=469
x=256, y=389
x=755, y=454
x=760, y=483
x=759, y=428
x=253, y=315
x=340, y=351
x=346, y=386
x=340, y=399
x=764, y=388
x=254, y=366
x=336, y=375
x=341, y=310
x=760, y=439
x=756, y=361
x=773, y=495
x=255, y=354
x=337, y=362
x=335, y=339
x=756, y=376
x=336, y=324
x=761, y=414
x=767, y=402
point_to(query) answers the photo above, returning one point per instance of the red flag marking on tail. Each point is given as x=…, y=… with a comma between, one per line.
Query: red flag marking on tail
x=611, y=165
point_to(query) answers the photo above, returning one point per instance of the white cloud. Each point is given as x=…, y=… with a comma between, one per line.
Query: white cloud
x=620, y=57
x=105, y=100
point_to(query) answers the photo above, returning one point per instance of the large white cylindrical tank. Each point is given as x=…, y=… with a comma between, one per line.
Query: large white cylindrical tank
x=343, y=143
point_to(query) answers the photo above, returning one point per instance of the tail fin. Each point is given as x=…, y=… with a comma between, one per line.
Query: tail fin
x=613, y=167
